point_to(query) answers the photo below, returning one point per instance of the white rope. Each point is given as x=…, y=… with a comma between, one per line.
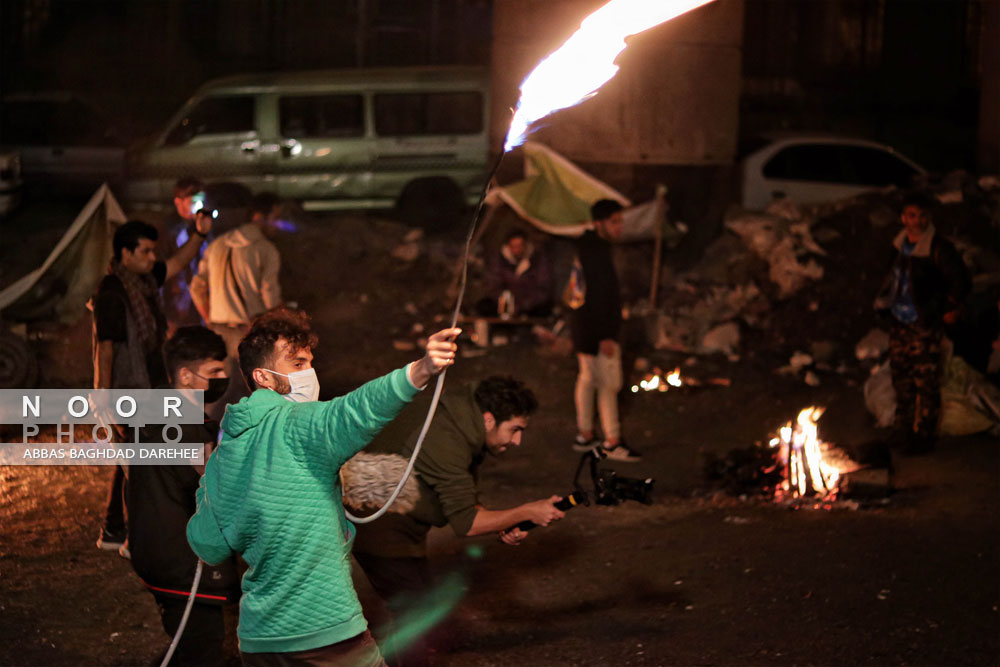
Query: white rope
x=440, y=380
x=184, y=618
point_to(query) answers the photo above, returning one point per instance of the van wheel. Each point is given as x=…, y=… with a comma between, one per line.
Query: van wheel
x=18, y=365
x=434, y=204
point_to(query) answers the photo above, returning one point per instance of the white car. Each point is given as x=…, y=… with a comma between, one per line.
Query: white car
x=813, y=169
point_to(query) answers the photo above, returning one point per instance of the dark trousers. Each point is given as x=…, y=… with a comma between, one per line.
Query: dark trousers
x=114, y=514
x=359, y=651
x=402, y=583
x=915, y=358
x=202, y=644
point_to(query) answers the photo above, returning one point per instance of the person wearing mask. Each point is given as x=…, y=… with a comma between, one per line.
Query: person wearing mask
x=160, y=501
x=272, y=494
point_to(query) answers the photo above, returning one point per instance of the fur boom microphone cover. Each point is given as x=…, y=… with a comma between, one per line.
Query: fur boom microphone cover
x=369, y=480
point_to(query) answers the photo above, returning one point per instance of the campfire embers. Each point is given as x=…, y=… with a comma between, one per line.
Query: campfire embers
x=657, y=381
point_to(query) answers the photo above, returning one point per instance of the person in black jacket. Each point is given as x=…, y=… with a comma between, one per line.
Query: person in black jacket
x=160, y=499
x=595, y=327
x=128, y=333
x=923, y=293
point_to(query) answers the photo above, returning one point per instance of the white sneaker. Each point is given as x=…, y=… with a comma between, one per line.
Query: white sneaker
x=621, y=452
x=124, y=552
x=581, y=444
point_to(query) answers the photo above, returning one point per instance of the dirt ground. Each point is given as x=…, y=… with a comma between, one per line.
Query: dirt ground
x=696, y=579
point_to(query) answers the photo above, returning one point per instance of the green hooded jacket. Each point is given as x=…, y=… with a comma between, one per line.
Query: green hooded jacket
x=271, y=493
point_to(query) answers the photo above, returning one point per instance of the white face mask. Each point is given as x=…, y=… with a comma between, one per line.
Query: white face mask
x=304, y=385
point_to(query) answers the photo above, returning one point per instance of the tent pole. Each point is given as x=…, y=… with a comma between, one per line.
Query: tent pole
x=657, y=247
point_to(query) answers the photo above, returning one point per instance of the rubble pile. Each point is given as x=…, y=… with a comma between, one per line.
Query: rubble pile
x=797, y=283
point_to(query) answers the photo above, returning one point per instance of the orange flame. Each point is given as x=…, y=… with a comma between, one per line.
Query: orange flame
x=802, y=454
x=586, y=61
x=658, y=382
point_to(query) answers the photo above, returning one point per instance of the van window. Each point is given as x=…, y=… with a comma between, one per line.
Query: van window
x=322, y=116
x=414, y=114
x=214, y=115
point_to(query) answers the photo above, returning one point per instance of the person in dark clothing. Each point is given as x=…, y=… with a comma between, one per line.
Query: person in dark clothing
x=595, y=327
x=129, y=329
x=160, y=499
x=471, y=422
x=523, y=271
x=923, y=293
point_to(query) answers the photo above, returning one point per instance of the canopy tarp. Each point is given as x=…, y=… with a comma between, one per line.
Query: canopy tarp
x=556, y=195
x=60, y=287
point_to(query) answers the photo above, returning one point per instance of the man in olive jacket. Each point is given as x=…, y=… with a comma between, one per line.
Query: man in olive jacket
x=271, y=493
x=469, y=423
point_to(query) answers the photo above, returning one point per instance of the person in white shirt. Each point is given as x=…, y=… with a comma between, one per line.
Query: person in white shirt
x=237, y=280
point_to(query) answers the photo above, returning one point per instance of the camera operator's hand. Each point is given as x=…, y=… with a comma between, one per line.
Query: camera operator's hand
x=203, y=222
x=440, y=355
x=512, y=536
x=543, y=512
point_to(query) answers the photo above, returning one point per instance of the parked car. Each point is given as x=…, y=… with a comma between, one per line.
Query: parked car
x=10, y=181
x=62, y=138
x=416, y=138
x=813, y=168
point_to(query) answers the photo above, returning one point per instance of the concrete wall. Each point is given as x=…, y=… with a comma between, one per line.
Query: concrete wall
x=675, y=100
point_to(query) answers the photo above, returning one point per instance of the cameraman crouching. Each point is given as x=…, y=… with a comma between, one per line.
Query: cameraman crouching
x=469, y=423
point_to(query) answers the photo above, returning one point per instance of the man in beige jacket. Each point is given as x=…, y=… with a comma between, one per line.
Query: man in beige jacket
x=237, y=280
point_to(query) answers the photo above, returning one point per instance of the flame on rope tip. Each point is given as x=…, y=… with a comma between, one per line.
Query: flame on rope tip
x=586, y=61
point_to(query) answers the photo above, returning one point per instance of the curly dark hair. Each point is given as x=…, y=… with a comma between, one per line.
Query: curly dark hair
x=505, y=397
x=257, y=347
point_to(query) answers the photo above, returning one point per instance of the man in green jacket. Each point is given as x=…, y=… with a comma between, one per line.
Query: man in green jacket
x=271, y=493
x=470, y=423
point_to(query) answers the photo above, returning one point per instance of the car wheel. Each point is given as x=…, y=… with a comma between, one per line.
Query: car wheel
x=18, y=365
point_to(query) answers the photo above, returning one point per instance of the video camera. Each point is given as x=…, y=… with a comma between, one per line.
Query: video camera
x=608, y=487
x=198, y=206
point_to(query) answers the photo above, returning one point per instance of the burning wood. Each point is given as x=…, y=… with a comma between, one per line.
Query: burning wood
x=809, y=468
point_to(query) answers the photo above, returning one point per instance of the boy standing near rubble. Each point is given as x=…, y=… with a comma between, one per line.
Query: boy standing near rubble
x=923, y=292
x=596, y=327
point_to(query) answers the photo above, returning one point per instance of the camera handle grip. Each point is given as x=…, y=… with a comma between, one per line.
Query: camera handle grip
x=567, y=503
